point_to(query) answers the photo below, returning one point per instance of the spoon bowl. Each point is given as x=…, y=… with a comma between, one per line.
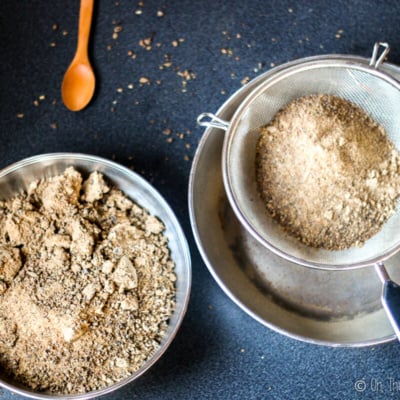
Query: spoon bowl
x=78, y=85
x=79, y=80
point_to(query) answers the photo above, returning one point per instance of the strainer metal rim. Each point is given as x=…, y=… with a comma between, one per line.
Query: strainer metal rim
x=355, y=63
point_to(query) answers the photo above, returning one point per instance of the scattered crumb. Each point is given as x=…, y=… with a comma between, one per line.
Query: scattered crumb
x=146, y=43
x=144, y=81
x=226, y=51
x=132, y=54
x=339, y=34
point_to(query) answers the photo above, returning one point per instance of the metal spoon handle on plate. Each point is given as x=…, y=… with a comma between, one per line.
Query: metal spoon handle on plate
x=390, y=298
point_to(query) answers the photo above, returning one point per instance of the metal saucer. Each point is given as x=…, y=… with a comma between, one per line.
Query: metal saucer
x=339, y=308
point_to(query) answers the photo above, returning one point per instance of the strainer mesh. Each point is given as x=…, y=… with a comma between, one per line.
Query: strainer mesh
x=375, y=92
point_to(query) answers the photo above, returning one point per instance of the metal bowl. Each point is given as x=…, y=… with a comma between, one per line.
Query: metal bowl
x=16, y=178
x=330, y=308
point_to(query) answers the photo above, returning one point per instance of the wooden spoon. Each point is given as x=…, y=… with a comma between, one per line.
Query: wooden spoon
x=79, y=81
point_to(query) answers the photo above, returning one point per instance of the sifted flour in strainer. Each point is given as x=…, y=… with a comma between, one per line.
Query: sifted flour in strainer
x=374, y=91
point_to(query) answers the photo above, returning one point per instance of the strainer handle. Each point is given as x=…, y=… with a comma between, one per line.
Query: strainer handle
x=376, y=59
x=390, y=298
x=211, y=120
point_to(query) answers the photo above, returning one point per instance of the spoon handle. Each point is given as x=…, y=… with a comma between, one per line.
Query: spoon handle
x=85, y=21
x=390, y=298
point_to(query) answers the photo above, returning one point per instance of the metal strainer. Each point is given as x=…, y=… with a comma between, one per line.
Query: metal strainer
x=377, y=93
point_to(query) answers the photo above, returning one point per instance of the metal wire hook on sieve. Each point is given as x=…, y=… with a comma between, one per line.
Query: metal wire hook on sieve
x=211, y=120
x=376, y=61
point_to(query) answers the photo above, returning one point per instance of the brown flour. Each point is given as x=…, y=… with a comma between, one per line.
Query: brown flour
x=86, y=281
x=327, y=172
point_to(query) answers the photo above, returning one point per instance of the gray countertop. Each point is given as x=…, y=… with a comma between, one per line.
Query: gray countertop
x=159, y=64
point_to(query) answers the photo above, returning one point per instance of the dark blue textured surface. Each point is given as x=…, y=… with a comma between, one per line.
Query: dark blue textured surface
x=220, y=352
